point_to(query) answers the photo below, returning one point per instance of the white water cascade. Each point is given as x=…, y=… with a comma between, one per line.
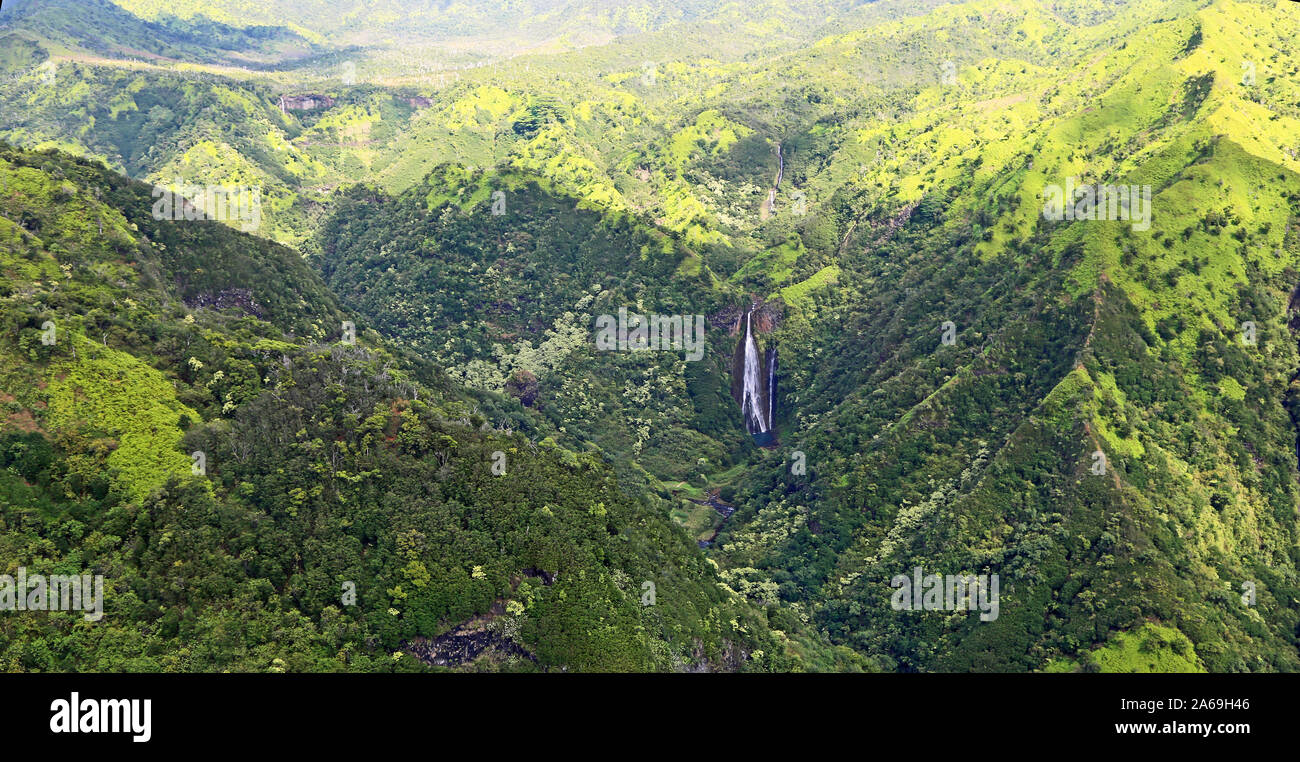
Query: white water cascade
x=771, y=386
x=755, y=412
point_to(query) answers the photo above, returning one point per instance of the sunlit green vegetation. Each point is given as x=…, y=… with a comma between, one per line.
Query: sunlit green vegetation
x=917, y=141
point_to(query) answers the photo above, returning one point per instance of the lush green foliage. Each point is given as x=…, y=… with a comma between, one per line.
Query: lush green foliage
x=918, y=137
x=329, y=469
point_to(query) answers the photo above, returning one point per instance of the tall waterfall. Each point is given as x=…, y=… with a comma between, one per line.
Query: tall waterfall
x=752, y=405
x=771, y=386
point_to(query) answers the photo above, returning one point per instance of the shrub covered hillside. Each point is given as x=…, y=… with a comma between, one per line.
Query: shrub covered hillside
x=1109, y=423
x=183, y=414
x=1101, y=410
x=1098, y=411
x=506, y=302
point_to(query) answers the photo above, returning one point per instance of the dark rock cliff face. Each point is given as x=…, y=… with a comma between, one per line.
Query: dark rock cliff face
x=766, y=319
x=464, y=645
x=306, y=102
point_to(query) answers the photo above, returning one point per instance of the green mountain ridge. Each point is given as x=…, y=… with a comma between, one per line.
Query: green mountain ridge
x=325, y=464
x=955, y=367
x=98, y=27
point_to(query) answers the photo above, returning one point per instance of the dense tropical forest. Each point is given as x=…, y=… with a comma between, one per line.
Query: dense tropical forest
x=373, y=430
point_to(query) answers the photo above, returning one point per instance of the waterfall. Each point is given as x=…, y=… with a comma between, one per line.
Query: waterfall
x=753, y=382
x=755, y=412
x=771, y=386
